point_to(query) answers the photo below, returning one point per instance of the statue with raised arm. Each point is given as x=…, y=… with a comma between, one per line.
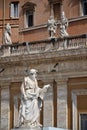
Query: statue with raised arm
x=31, y=101
x=7, y=34
x=52, y=26
x=63, y=26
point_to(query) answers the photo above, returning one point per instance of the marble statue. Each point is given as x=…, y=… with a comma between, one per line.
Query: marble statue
x=31, y=101
x=52, y=26
x=7, y=34
x=63, y=26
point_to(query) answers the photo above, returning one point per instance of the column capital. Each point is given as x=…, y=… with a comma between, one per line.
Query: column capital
x=47, y=80
x=5, y=85
x=61, y=81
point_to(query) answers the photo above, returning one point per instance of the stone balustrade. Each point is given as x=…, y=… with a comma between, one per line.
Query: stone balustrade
x=55, y=44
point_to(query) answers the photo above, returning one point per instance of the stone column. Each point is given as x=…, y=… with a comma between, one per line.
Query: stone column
x=62, y=104
x=74, y=111
x=5, y=107
x=48, y=108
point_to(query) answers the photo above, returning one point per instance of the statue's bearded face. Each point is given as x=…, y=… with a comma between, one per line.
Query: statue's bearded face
x=33, y=76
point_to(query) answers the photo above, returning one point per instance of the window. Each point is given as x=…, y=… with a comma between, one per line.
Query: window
x=56, y=10
x=83, y=121
x=84, y=7
x=28, y=9
x=14, y=10
x=29, y=18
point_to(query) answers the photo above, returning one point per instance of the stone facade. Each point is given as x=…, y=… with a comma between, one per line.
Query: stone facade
x=64, y=66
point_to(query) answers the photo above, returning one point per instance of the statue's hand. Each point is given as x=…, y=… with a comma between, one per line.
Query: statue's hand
x=45, y=88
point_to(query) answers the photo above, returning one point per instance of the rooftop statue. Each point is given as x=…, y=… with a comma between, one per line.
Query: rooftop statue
x=31, y=101
x=63, y=26
x=52, y=26
x=7, y=34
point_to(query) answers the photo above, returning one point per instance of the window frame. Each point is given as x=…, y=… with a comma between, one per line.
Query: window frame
x=80, y=118
x=59, y=4
x=28, y=7
x=27, y=19
x=83, y=10
x=52, y=4
x=14, y=10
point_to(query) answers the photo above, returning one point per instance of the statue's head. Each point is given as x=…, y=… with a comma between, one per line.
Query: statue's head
x=33, y=73
x=63, y=15
x=51, y=17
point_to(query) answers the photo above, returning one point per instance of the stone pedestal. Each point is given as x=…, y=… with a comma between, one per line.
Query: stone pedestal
x=44, y=128
x=28, y=128
x=52, y=128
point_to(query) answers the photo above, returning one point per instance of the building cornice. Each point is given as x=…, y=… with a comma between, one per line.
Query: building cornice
x=78, y=18
x=45, y=57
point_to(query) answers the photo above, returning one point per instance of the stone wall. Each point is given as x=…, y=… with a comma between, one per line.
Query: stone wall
x=52, y=65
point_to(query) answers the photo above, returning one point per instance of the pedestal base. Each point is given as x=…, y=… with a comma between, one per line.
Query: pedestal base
x=43, y=128
x=52, y=128
x=27, y=129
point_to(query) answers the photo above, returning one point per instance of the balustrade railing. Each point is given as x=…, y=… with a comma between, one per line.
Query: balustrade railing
x=43, y=46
